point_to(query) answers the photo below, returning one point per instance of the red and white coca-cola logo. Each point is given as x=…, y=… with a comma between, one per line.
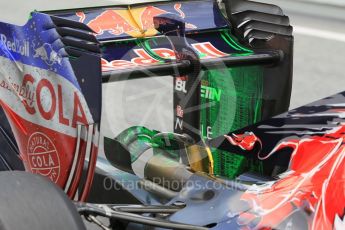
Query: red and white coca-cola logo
x=43, y=157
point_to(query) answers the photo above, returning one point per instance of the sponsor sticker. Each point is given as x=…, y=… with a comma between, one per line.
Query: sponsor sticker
x=43, y=157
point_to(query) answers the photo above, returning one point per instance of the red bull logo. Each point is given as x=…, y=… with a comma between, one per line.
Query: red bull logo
x=148, y=15
x=142, y=58
x=48, y=55
x=136, y=22
x=109, y=21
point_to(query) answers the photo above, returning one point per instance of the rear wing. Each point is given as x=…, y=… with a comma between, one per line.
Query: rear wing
x=54, y=66
x=254, y=34
x=247, y=52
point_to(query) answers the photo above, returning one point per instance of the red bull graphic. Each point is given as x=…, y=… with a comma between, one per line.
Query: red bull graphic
x=206, y=49
x=146, y=18
x=135, y=22
x=48, y=55
x=15, y=45
x=314, y=182
x=110, y=21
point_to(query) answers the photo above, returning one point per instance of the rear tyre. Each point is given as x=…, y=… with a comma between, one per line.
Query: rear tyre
x=30, y=201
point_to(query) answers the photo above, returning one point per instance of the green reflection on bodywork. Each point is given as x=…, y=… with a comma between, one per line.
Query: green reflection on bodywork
x=231, y=42
x=240, y=106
